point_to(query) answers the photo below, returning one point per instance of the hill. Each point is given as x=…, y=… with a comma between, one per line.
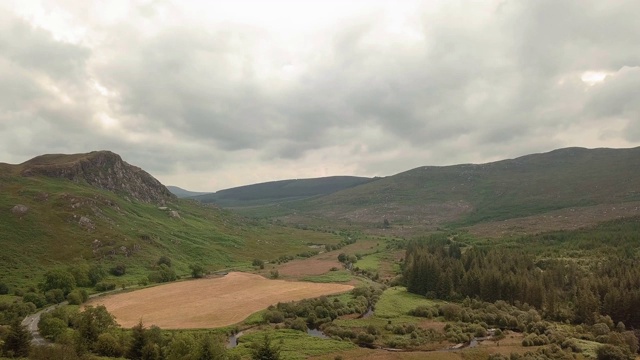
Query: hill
x=281, y=191
x=59, y=210
x=182, y=193
x=429, y=197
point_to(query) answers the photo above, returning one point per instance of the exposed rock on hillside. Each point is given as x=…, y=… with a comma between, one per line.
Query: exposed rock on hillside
x=20, y=210
x=102, y=169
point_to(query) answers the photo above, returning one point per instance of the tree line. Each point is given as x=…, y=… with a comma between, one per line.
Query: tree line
x=562, y=289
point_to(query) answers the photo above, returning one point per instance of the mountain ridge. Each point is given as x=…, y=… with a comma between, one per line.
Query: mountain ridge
x=429, y=197
x=102, y=169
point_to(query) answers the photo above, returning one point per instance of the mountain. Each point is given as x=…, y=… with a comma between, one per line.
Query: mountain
x=83, y=209
x=573, y=180
x=182, y=193
x=101, y=169
x=281, y=191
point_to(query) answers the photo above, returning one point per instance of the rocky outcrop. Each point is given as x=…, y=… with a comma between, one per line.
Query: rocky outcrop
x=102, y=169
x=20, y=210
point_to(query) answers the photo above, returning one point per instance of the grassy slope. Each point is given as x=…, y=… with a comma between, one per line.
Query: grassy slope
x=468, y=194
x=50, y=235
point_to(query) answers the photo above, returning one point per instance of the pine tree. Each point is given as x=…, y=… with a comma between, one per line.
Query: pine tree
x=17, y=341
x=139, y=340
x=266, y=351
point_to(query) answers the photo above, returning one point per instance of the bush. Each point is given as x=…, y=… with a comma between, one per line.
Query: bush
x=37, y=299
x=258, y=263
x=274, y=274
x=54, y=296
x=274, y=316
x=105, y=286
x=108, y=345
x=610, y=352
x=298, y=324
x=197, y=271
x=77, y=297
x=164, y=260
x=164, y=274
x=4, y=289
x=51, y=327
x=118, y=270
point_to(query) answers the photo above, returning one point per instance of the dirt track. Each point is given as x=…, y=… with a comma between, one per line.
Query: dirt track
x=208, y=303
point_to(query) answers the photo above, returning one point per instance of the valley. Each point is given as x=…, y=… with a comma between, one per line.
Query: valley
x=530, y=258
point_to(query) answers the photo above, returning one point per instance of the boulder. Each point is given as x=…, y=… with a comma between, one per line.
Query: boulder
x=20, y=210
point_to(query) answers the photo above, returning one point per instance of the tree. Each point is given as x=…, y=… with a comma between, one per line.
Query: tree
x=164, y=260
x=59, y=279
x=265, y=350
x=51, y=327
x=197, y=271
x=164, y=274
x=386, y=224
x=258, y=263
x=210, y=349
x=138, y=342
x=117, y=270
x=108, y=345
x=4, y=289
x=610, y=352
x=17, y=341
x=93, y=322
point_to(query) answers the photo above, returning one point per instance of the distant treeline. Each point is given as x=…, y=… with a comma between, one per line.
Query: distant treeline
x=561, y=288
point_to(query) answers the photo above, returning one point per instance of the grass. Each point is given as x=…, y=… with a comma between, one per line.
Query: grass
x=330, y=277
x=294, y=344
x=463, y=195
x=370, y=262
x=49, y=235
x=396, y=302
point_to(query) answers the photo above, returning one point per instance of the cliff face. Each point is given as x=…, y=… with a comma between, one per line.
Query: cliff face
x=102, y=169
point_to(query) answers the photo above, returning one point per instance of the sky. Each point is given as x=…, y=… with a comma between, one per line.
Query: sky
x=212, y=94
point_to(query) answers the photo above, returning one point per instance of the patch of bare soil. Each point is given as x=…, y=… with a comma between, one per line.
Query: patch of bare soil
x=306, y=267
x=208, y=303
x=565, y=219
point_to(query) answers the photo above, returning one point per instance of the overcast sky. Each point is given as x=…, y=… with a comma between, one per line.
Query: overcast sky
x=210, y=94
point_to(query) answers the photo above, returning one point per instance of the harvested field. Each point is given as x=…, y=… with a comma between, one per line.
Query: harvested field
x=312, y=266
x=208, y=303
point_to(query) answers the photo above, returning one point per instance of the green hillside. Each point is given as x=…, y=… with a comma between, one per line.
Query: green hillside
x=280, y=191
x=73, y=222
x=428, y=197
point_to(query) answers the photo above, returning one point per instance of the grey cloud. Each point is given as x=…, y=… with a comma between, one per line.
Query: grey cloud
x=477, y=86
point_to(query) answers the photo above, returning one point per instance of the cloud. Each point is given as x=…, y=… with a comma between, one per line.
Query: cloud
x=209, y=95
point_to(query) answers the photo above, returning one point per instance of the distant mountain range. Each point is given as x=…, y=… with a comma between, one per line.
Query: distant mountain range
x=182, y=193
x=95, y=207
x=574, y=180
x=280, y=191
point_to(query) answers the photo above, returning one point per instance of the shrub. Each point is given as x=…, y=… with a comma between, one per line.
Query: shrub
x=37, y=299
x=118, y=270
x=4, y=289
x=51, y=327
x=164, y=260
x=77, y=297
x=258, y=263
x=108, y=345
x=54, y=296
x=164, y=274
x=105, y=286
x=197, y=271
x=610, y=352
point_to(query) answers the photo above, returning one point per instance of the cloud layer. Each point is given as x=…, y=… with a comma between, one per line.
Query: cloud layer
x=208, y=95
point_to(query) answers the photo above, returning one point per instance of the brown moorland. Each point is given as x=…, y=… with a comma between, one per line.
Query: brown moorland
x=208, y=303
